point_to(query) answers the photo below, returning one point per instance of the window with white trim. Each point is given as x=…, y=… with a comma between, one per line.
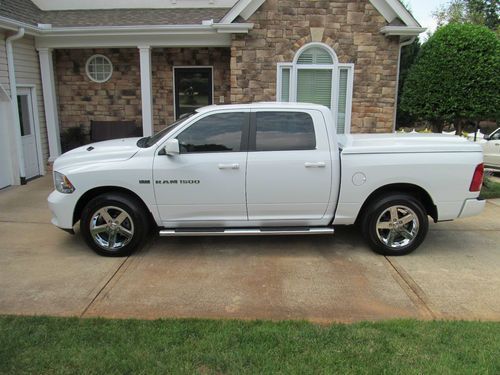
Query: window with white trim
x=316, y=76
x=99, y=68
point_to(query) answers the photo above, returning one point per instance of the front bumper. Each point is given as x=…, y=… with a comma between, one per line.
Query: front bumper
x=472, y=207
x=62, y=207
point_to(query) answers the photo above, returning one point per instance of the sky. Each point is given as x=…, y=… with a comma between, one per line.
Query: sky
x=422, y=11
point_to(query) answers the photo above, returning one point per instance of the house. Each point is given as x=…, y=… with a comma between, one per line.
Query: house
x=68, y=64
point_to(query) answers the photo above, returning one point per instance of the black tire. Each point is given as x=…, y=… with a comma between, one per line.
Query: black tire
x=378, y=215
x=114, y=204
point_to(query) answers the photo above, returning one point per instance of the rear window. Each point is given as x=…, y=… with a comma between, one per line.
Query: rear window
x=284, y=131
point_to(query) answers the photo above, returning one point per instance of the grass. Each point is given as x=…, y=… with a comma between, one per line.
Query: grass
x=42, y=345
x=490, y=189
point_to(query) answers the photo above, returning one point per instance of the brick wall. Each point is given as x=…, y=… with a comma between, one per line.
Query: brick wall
x=82, y=100
x=351, y=28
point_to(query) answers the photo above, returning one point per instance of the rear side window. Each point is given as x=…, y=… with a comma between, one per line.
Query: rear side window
x=284, y=131
x=215, y=133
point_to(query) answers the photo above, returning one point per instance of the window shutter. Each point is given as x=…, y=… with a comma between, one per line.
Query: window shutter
x=314, y=86
x=285, y=85
x=342, y=100
x=315, y=55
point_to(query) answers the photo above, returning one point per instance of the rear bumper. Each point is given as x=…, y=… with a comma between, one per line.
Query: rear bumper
x=472, y=207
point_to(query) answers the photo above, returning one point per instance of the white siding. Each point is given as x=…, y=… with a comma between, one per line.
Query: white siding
x=4, y=74
x=28, y=72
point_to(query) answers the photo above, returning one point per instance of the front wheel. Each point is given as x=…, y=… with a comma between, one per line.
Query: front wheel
x=114, y=224
x=395, y=224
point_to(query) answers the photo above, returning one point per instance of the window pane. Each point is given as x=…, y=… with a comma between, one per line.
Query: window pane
x=342, y=100
x=285, y=85
x=314, y=86
x=280, y=131
x=215, y=133
x=315, y=55
x=24, y=115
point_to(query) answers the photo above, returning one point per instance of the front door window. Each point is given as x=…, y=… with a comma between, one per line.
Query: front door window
x=193, y=89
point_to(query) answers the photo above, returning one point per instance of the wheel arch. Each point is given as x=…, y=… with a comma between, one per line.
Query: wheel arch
x=92, y=193
x=414, y=190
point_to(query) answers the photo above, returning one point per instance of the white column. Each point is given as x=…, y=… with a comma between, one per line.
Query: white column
x=50, y=102
x=146, y=91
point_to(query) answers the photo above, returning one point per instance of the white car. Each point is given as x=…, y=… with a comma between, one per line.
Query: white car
x=265, y=169
x=491, y=149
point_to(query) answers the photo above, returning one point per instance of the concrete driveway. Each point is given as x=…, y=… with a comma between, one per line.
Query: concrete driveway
x=454, y=275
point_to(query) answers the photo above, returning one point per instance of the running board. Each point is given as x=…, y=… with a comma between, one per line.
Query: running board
x=278, y=231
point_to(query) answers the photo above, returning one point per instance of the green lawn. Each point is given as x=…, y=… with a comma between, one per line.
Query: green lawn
x=490, y=189
x=40, y=345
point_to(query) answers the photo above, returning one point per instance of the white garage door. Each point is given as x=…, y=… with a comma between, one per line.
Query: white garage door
x=5, y=172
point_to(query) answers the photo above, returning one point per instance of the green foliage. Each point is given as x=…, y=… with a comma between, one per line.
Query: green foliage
x=409, y=54
x=479, y=12
x=456, y=76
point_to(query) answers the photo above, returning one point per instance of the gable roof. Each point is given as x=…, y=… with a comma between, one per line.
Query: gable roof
x=391, y=10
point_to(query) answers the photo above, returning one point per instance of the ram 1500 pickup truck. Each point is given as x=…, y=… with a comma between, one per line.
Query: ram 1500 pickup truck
x=265, y=169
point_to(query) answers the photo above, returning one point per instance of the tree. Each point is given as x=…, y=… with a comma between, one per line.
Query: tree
x=478, y=12
x=409, y=54
x=456, y=77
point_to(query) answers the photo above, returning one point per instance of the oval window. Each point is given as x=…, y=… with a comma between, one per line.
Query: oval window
x=99, y=68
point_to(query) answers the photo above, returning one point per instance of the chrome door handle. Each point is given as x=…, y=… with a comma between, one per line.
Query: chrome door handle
x=319, y=164
x=229, y=166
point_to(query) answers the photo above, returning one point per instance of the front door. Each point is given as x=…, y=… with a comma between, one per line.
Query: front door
x=28, y=135
x=193, y=89
x=289, y=169
x=205, y=184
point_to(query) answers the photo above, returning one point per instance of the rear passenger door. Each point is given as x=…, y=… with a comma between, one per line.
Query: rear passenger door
x=289, y=168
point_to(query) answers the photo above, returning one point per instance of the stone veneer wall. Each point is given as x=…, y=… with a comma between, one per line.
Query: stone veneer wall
x=351, y=28
x=82, y=100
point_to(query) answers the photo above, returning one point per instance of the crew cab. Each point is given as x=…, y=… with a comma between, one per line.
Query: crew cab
x=265, y=169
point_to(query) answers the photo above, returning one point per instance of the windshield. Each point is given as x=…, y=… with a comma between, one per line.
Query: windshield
x=149, y=141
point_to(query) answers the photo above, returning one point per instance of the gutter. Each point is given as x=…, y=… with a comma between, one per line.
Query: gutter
x=13, y=101
x=401, y=45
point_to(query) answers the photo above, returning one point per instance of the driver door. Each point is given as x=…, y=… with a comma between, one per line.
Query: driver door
x=204, y=185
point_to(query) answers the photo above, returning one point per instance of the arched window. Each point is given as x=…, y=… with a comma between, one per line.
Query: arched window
x=315, y=76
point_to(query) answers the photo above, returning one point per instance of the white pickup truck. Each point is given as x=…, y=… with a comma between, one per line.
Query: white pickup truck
x=265, y=169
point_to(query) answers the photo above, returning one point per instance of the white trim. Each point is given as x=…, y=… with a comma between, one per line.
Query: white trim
x=316, y=44
x=50, y=102
x=349, y=94
x=88, y=72
x=36, y=123
x=146, y=90
x=243, y=8
x=279, y=70
x=211, y=67
x=402, y=30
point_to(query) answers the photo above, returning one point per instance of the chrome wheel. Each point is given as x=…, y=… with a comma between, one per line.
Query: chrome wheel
x=111, y=228
x=397, y=227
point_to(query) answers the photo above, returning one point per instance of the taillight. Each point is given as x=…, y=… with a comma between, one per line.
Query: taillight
x=477, y=178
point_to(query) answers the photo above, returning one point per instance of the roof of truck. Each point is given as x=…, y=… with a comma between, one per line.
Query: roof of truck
x=264, y=105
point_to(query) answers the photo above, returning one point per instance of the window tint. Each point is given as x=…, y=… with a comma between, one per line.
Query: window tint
x=216, y=133
x=280, y=131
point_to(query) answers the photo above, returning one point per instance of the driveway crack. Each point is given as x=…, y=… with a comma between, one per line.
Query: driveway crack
x=412, y=289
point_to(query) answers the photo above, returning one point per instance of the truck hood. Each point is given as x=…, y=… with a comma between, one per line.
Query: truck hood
x=405, y=143
x=100, y=152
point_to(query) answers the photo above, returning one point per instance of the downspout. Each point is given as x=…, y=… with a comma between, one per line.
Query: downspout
x=401, y=45
x=13, y=101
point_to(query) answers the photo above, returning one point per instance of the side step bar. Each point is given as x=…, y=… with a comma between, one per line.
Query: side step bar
x=278, y=231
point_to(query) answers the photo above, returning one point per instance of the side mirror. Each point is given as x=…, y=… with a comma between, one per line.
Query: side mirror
x=486, y=137
x=172, y=147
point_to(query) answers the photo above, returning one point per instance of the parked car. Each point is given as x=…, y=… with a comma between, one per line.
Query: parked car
x=265, y=169
x=491, y=149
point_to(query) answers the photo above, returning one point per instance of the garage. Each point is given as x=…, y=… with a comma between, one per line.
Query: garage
x=5, y=161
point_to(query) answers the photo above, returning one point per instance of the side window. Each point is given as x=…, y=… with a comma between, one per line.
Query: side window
x=215, y=133
x=282, y=131
x=496, y=136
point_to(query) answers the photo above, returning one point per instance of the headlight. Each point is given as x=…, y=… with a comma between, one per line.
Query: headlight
x=62, y=184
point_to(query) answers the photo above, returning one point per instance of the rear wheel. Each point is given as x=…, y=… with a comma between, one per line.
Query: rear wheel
x=114, y=224
x=395, y=224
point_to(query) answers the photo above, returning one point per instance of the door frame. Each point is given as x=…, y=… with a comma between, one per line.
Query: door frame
x=31, y=88
x=211, y=67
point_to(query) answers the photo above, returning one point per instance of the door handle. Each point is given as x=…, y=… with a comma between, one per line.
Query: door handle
x=319, y=164
x=229, y=166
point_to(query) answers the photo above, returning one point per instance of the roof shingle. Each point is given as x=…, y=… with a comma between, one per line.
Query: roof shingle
x=27, y=12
